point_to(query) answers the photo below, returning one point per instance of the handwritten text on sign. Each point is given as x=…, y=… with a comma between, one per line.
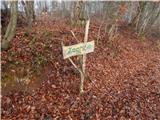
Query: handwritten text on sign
x=78, y=49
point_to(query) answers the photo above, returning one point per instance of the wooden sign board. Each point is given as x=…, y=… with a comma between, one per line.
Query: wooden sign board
x=78, y=49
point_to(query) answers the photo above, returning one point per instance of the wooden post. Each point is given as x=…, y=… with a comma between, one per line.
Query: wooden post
x=82, y=74
x=83, y=65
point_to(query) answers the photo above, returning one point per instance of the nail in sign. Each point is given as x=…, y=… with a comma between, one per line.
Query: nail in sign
x=78, y=49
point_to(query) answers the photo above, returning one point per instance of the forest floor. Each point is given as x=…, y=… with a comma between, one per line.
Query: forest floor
x=37, y=83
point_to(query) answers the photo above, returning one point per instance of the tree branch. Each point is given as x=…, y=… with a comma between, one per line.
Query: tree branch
x=74, y=36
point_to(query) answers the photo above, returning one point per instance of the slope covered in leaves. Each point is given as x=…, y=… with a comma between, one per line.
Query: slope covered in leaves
x=123, y=76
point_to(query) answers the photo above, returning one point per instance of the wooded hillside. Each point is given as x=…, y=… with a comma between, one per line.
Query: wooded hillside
x=110, y=69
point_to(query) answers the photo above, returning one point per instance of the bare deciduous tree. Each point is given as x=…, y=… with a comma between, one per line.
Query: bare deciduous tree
x=30, y=15
x=11, y=29
x=78, y=13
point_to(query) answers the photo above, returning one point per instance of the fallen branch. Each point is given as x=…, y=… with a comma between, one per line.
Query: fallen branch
x=74, y=36
x=74, y=65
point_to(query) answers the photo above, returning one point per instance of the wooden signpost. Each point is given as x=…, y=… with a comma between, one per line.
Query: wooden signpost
x=79, y=49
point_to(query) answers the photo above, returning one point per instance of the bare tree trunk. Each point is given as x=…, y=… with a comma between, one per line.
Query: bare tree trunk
x=11, y=29
x=30, y=14
x=5, y=4
x=63, y=9
x=78, y=14
x=5, y=13
x=146, y=19
x=45, y=8
x=140, y=10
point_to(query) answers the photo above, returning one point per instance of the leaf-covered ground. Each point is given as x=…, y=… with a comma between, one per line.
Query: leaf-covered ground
x=123, y=80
